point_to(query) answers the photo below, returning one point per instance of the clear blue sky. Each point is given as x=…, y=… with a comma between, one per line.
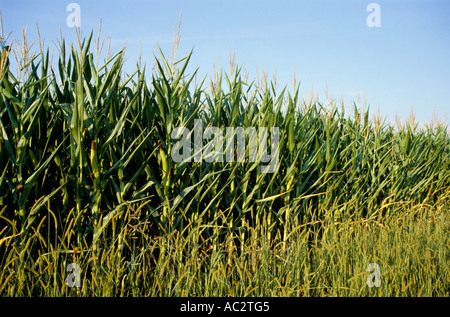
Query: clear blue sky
x=402, y=64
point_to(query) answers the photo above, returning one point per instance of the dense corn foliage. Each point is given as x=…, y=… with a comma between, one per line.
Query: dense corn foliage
x=86, y=174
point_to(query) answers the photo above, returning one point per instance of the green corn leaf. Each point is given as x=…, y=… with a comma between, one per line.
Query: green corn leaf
x=32, y=179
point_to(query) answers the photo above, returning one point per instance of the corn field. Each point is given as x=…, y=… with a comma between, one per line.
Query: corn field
x=86, y=176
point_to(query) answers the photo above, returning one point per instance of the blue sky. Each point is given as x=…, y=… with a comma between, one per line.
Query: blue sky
x=401, y=65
